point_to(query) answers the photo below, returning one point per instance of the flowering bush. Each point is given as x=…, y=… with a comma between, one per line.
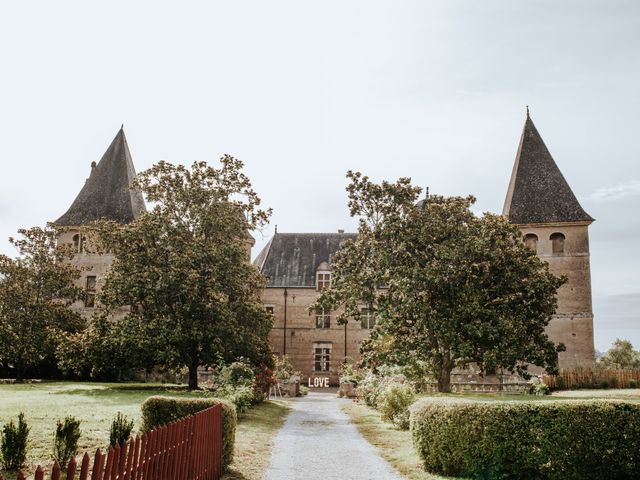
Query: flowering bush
x=394, y=401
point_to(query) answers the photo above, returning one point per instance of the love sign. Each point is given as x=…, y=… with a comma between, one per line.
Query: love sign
x=319, y=382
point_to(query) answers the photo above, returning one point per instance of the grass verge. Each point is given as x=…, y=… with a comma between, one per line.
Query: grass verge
x=94, y=404
x=254, y=439
x=395, y=446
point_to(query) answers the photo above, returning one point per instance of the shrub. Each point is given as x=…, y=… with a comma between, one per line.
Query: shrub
x=264, y=378
x=13, y=443
x=242, y=396
x=369, y=388
x=121, y=428
x=538, y=388
x=554, y=440
x=157, y=411
x=350, y=374
x=633, y=383
x=304, y=390
x=394, y=402
x=65, y=442
x=283, y=368
x=372, y=385
x=238, y=373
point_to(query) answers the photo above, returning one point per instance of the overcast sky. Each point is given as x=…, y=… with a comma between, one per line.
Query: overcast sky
x=304, y=91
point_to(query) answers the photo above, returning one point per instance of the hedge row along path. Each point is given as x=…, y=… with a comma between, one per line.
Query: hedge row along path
x=318, y=442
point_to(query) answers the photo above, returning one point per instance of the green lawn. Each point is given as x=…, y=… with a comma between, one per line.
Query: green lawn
x=94, y=404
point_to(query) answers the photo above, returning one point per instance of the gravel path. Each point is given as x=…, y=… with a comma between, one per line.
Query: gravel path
x=319, y=442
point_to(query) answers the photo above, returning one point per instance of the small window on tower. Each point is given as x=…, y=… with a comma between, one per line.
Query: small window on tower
x=531, y=241
x=270, y=309
x=557, y=243
x=90, y=292
x=76, y=243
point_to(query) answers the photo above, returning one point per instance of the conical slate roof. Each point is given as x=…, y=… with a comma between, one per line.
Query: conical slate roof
x=106, y=193
x=538, y=192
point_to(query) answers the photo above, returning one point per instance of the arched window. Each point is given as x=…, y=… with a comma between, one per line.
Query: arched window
x=557, y=243
x=531, y=241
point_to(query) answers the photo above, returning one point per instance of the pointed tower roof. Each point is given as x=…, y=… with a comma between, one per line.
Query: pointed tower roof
x=106, y=193
x=538, y=192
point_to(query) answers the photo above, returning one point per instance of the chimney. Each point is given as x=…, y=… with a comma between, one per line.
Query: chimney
x=340, y=231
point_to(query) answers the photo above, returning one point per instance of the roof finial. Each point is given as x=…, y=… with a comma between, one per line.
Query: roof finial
x=122, y=127
x=276, y=229
x=426, y=193
x=527, y=111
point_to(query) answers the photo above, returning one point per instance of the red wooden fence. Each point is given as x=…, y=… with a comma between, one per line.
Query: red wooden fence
x=188, y=449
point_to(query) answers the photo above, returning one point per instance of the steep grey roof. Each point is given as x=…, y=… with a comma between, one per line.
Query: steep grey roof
x=106, y=194
x=291, y=259
x=538, y=192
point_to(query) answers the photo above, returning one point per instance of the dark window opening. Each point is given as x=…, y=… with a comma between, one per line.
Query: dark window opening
x=531, y=241
x=90, y=292
x=557, y=243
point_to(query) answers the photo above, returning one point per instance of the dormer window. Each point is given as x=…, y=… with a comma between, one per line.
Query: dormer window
x=531, y=241
x=323, y=276
x=323, y=280
x=557, y=243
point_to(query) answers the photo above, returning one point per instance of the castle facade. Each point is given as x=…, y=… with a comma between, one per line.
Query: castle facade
x=297, y=266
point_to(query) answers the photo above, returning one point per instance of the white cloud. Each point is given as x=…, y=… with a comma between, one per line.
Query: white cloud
x=616, y=192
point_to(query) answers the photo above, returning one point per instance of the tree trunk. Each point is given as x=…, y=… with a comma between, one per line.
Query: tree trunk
x=21, y=369
x=444, y=377
x=193, y=375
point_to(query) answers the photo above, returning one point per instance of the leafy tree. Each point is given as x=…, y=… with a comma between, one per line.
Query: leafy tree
x=184, y=267
x=36, y=290
x=449, y=288
x=620, y=356
x=108, y=350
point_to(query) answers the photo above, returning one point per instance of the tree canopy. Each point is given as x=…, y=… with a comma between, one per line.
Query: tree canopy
x=449, y=288
x=621, y=355
x=36, y=289
x=184, y=267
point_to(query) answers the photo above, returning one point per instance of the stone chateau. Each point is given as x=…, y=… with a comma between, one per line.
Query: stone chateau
x=298, y=265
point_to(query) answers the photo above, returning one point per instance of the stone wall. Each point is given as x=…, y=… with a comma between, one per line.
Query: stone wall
x=573, y=322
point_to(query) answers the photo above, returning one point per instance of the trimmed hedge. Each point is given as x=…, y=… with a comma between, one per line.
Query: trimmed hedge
x=544, y=439
x=157, y=411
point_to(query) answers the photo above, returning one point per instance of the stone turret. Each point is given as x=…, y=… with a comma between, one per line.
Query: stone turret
x=555, y=225
x=106, y=195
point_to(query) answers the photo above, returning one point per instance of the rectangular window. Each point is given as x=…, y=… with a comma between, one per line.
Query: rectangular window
x=270, y=309
x=323, y=318
x=323, y=280
x=322, y=357
x=367, y=318
x=90, y=292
